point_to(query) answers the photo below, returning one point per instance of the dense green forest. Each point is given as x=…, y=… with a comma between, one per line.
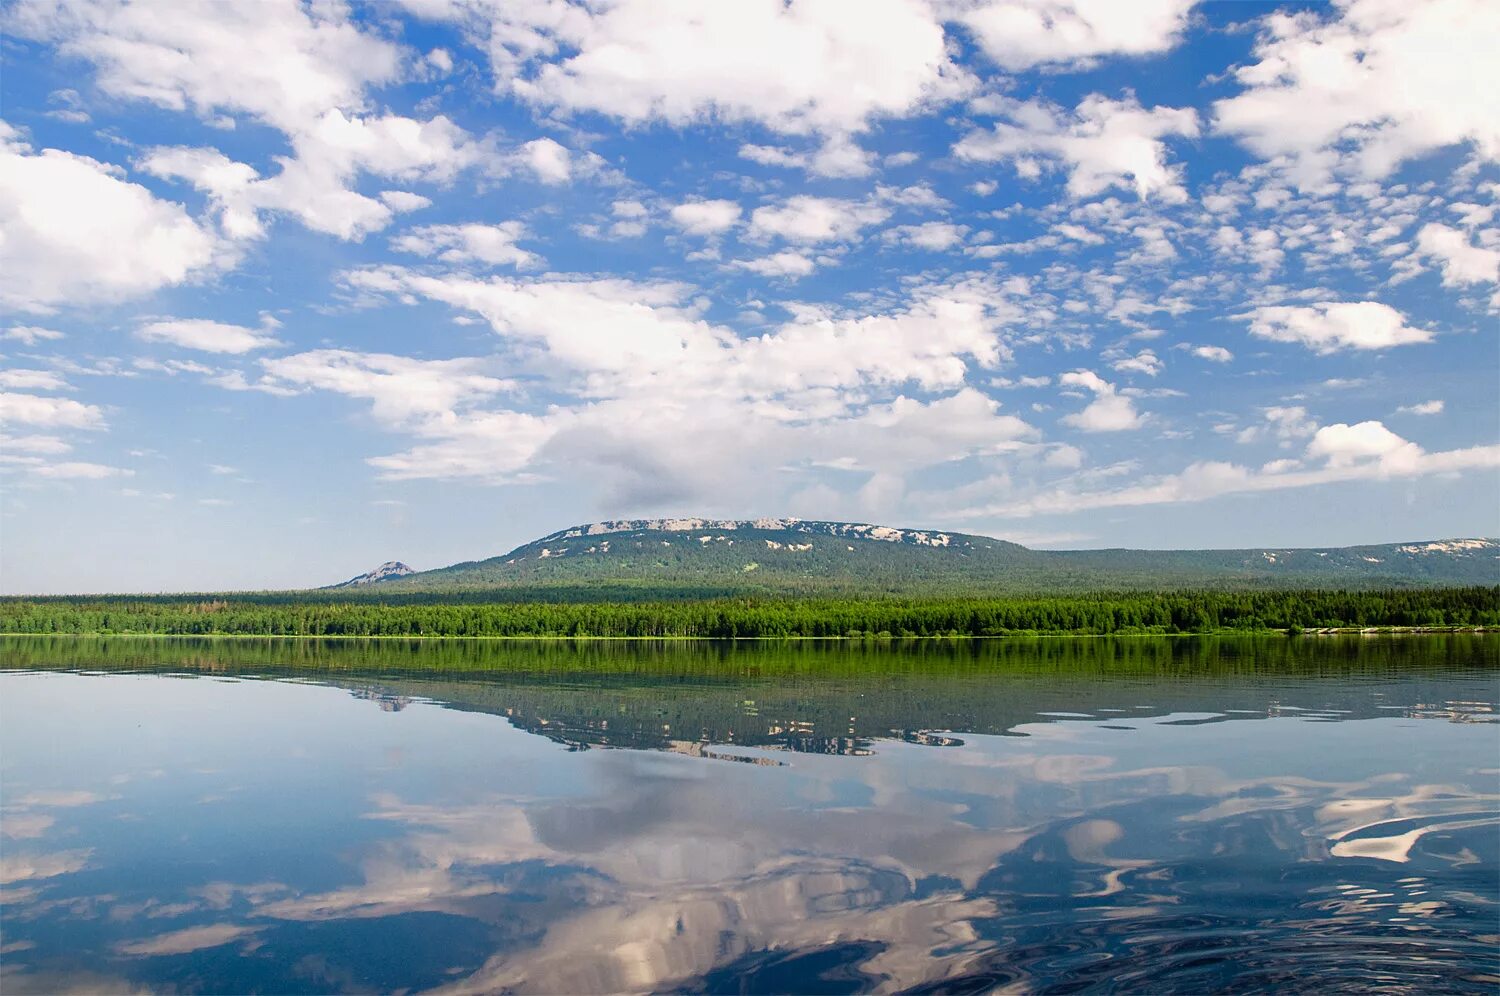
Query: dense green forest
x=730, y=618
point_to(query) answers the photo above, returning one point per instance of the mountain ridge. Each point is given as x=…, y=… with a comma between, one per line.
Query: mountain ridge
x=808, y=555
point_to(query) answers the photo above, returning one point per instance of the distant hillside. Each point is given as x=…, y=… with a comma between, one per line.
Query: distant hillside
x=793, y=555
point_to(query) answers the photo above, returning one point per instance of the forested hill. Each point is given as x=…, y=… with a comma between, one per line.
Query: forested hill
x=793, y=555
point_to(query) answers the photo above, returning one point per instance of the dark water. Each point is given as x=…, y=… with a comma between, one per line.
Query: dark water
x=1046, y=816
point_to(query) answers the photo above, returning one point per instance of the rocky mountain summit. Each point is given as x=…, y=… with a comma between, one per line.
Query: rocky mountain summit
x=385, y=572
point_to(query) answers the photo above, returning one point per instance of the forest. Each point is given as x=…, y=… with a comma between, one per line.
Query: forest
x=1198, y=611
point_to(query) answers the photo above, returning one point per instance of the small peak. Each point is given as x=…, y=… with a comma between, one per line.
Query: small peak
x=386, y=571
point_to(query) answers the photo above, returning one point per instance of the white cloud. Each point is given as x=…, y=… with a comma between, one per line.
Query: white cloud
x=301, y=69
x=1343, y=445
x=1104, y=143
x=705, y=217
x=207, y=336
x=1327, y=328
x=30, y=335
x=399, y=387
x=79, y=471
x=648, y=391
x=933, y=236
x=787, y=264
x=683, y=62
x=43, y=445
x=31, y=380
x=1422, y=408
x=1214, y=354
x=316, y=184
x=48, y=413
x=1462, y=261
x=815, y=219
x=1108, y=412
x=549, y=160
x=282, y=62
x=838, y=156
x=402, y=201
x=1145, y=362
x=1367, y=451
x=1290, y=422
x=1021, y=34
x=66, y=219
x=494, y=245
x=1387, y=81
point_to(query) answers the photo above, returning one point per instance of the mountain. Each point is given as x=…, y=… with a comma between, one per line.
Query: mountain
x=694, y=556
x=387, y=571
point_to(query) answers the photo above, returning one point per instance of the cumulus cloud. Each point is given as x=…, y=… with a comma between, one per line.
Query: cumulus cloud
x=709, y=217
x=933, y=236
x=301, y=69
x=316, y=185
x=808, y=219
x=30, y=335
x=647, y=389
x=48, y=412
x=1422, y=408
x=1366, y=451
x=79, y=471
x=1022, y=34
x=838, y=156
x=207, y=336
x=1343, y=445
x=786, y=264
x=1103, y=143
x=682, y=62
x=32, y=380
x=1462, y=262
x=1214, y=354
x=1108, y=412
x=399, y=387
x=65, y=219
x=548, y=160
x=1145, y=362
x=1328, y=328
x=493, y=245
x=1370, y=83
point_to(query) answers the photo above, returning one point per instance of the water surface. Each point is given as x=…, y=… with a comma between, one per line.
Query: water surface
x=1051, y=815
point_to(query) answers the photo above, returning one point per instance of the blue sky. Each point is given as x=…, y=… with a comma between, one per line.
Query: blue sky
x=292, y=289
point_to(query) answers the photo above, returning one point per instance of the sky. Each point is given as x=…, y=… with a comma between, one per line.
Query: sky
x=291, y=289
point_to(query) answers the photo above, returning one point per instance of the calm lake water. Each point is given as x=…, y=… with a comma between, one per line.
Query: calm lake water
x=1031, y=816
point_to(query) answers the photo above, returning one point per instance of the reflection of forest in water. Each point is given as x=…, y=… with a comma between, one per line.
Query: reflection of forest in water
x=840, y=697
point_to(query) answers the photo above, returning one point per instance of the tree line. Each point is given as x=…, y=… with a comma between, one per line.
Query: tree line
x=1197, y=611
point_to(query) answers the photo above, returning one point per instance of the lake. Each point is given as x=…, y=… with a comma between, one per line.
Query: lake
x=1135, y=815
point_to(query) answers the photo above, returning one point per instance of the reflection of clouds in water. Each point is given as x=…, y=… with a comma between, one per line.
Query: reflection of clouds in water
x=1394, y=845
x=60, y=798
x=19, y=822
x=15, y=981
x=27, y=867
x=645, y=942
x=23, y=826
x=622, y=870
x=683, y=874
x=189, y=939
